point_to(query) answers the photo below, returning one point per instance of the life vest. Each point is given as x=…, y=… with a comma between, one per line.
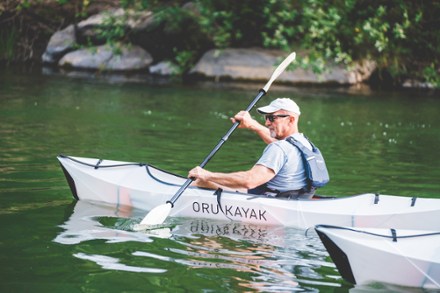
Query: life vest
x=314, y=164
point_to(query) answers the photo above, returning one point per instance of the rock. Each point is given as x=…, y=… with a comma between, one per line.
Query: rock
x=133, y=19
x=59, y=44
x=259, y=64
x=64, y=41
x=88, y=30
x=103, y=57
x=163, y=68
x=412, y=83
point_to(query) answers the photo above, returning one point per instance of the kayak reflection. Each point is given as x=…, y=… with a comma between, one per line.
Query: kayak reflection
x=92, y=221
x=264, y=257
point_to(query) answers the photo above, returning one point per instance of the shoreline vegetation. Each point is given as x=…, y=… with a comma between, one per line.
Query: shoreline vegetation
x=172, y=37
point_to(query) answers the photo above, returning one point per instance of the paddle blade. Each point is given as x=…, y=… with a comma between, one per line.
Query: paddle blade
x=157, y=215
x=280, y=69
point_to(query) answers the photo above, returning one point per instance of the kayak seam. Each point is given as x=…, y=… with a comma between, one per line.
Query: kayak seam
x=393, y=235
x=157, y=179
x=97, y=166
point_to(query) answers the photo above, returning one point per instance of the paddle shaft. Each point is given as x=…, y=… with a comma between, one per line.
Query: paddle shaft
x=261, y=93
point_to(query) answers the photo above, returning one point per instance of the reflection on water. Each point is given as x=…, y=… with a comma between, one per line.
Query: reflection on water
x=111, y=263
x=83, y=225
x=265, y=258
x=252, y=257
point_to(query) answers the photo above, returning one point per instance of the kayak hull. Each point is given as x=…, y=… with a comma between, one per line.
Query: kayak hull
x=365, y=255
x=142, y=186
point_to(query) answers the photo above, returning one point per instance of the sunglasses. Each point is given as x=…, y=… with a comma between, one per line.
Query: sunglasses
x=272, y=117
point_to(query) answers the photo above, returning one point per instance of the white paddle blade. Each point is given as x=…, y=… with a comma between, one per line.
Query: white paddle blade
x=157, y=215
x=280, y=69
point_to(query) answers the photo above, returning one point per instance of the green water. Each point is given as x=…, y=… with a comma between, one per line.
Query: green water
x=385, y=142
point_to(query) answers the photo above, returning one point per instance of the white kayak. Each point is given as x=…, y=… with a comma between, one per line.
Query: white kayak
x=402, y=257
x=144, y=187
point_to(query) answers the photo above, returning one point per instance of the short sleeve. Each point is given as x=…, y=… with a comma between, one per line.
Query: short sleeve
x=273, y=158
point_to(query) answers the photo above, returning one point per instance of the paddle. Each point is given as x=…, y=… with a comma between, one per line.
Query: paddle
x=158, y=215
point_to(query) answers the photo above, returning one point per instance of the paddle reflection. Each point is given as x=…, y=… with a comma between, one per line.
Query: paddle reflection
x=84, y=225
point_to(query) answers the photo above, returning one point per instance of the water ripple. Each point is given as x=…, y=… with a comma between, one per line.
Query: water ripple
x=111, y=263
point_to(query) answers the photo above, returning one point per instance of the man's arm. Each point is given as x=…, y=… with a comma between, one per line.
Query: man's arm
x=242, y=180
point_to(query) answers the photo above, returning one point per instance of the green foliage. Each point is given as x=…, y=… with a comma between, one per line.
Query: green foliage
x=7, y=44
x=179, y=36
x=62, y=2
x=184, y=60
x=400, y=35
x=172, y=18
x=280, y=28
x=25, y=4
x=233, y=23
x=136, y=4
x=431, y=75
x=113, y=31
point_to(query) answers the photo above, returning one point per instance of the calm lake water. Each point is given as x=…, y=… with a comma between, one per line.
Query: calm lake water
x=385, y=142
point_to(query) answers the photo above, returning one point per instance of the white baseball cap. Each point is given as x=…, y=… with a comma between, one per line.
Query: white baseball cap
x=280, y=104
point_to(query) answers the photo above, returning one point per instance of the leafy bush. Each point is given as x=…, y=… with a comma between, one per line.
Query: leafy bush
x=401, y=35
x=7, y=44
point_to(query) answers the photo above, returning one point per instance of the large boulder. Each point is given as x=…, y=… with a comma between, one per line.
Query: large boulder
x=89, y=29
x=60, y=43
x=128, y=58
x=259, y=64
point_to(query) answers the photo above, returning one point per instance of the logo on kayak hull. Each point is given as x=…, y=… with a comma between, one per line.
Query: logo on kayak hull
x=230, y=211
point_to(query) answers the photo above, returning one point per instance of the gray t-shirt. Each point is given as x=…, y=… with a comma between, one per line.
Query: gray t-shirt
x=285, y=160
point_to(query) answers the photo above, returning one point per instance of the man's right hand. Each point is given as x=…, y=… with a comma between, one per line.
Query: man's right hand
x=245, y=119
x=247, y=122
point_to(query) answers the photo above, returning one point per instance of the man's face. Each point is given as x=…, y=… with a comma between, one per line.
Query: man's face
x=279, y=124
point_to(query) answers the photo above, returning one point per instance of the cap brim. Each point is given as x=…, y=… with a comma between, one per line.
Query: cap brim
x=267, y=109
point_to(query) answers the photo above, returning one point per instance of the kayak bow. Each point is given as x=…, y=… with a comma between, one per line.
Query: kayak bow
x=402, y=257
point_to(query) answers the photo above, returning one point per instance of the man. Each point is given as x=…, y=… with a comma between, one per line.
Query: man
x=280, y=170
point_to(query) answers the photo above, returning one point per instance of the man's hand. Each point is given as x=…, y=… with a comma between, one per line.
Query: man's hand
x=247, y=122
x=199, y=173
x=245, y=119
